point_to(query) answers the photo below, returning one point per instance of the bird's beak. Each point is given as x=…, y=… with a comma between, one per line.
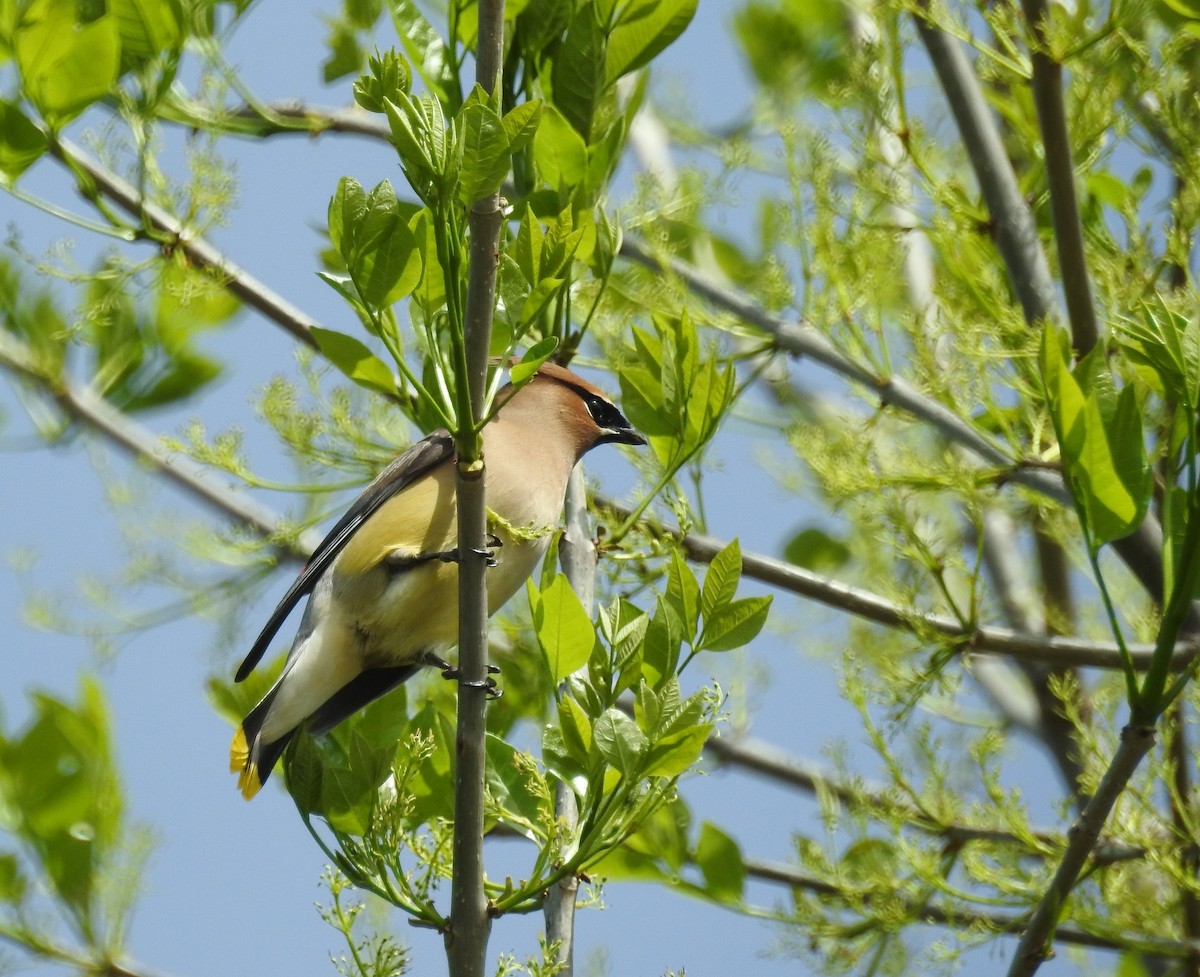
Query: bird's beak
x=623, y=435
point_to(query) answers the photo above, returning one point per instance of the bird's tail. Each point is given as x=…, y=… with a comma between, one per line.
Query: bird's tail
x=250, y=758
x=253, y=760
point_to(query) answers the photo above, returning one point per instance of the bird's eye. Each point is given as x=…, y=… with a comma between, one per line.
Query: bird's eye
x=603, y=413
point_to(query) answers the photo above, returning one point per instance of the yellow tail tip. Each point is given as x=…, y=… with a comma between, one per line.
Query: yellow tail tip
x=248, y=780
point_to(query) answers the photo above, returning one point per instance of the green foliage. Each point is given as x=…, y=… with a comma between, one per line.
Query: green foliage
x=960, y=408
x=1100, y=437
x=385, y=805
x=61, y=806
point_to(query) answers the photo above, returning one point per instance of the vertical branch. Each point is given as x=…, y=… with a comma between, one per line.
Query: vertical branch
x=1060, y=175
x=466, y=940
x=577, y=554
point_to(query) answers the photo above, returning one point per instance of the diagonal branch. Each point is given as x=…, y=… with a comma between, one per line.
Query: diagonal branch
x=1015, y=228
x=801, y=339
x=85, y=406
x=965, y=920
x=1038, y=937
x=169, y=231
x=1036, y=648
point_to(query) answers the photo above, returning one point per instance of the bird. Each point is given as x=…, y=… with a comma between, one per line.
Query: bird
x=382, y=586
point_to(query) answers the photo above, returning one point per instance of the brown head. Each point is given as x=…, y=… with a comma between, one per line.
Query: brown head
x=562, y=405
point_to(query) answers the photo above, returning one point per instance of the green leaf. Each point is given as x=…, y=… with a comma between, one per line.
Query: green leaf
x=59, y=786
x=660, y=648
x=534, y=357
x=303, y=769
x=426, y=51
x=576, y=729
x=386, y=262
x=1101, y=441
x=620, y=742
x=389, y=74
x=578, y=75
x=563, y=628
x=814, y=549
x=675, y=753
x=66, y=65
x=487, y=156
x=147, y=28
x=21, y=142
x=720, y=862
x=721, y=581
x=355, y=361
x=521, y=124
x=735, y=624
x=518, y=788
x=13, y=885
x=645, y=29
x=559, y=151
x=683, y=593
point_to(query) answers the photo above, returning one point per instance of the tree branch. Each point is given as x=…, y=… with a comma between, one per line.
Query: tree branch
x=577, y=554
x=1015, y=229
x=1042, y=649
x=1060, y=175
x=1036, y=941
x=169, y=231
x=86, y=407
x=968, y=919
x=801, y=339
x=470, y=924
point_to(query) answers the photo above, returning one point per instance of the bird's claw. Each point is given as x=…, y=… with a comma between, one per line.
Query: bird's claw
x=492, y=542
x=453, y=673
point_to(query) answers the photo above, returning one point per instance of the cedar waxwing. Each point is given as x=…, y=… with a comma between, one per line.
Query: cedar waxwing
x=383, y=584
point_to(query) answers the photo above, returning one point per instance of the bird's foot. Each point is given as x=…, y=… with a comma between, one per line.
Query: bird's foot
x=488, y=551
x=452, y=673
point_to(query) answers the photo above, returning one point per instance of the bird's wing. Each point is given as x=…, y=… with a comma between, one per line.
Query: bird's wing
x=418, y=460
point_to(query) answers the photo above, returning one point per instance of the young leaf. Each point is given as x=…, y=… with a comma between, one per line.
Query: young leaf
x=486, y=152
x=576, y=729
x=355, y=361
x=660, y=648
x=675, y=753
x=720, y=862
x=683, y=593
x=535, y=356
x=578, y=74
x=303, y=769
x=21, y=142
x=646, y=28
x=559, y=151
x=620, y=742
x=563, y=628
x=735, y=624
x=721, y=581
x=66, y=65
x=521, y=123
